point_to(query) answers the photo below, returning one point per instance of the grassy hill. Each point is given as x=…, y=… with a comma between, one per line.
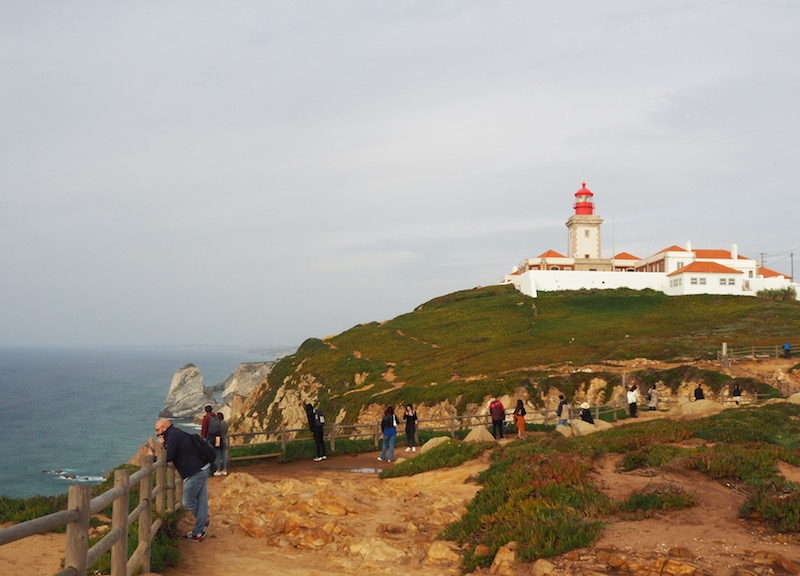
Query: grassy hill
x=463, y=346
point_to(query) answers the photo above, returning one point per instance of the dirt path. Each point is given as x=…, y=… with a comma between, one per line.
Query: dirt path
x=330, y=517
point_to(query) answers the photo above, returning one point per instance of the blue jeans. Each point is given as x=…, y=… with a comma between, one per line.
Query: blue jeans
x=388, y=440
x=222, y=455
x=195, y=498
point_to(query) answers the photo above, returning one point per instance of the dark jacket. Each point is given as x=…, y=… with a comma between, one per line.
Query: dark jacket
x=389, y=424
x=497, y=410
x=182, y=453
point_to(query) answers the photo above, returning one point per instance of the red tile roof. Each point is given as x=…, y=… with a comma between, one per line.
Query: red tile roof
x=626, y=256
x=705, y=268
x=551, y=254
x=767, y=273
x=718, y=255
x=673, y=248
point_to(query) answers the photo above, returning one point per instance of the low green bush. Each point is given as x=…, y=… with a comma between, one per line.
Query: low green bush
x=670, y=499
x=446, y=455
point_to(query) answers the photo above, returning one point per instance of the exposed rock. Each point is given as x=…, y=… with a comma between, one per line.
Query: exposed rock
x=581, y=428
x=542, y=567
x=246, y=378
x=504, y=560
x=479, y=434
x=433, y=443
x=187, y=395
x=442, y=553
x=697, y=409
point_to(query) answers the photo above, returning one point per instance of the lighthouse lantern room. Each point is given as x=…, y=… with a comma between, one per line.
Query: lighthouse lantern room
x=583, y=232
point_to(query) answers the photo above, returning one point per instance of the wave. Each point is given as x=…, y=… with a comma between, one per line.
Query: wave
x=74, y=477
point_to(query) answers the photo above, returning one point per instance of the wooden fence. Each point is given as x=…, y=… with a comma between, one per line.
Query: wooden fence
x=158, y=483
x=774, y=351
x=450, y=425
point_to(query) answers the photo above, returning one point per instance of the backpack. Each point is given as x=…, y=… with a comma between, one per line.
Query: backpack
x=319, y=418
x=205, y=450
x=214, y=427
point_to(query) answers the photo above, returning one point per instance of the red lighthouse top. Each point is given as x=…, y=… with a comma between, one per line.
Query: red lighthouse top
x=583, y=200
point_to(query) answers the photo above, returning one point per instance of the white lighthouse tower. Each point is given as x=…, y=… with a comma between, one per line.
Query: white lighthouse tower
x=583, y=233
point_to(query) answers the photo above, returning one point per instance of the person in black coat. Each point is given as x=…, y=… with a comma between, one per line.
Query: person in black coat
x=410, y=417
x=194, y=471
x=316, y=422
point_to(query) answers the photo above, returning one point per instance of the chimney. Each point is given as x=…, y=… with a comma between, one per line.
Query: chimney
x=688, y=246
x=734, y=252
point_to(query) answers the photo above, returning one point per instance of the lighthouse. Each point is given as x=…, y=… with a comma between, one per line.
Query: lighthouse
x=583, y=232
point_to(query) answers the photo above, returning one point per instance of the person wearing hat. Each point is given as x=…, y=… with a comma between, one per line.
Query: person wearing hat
x=586, y=413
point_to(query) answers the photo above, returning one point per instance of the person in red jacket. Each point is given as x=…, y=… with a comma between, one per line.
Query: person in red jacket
x=498, y=413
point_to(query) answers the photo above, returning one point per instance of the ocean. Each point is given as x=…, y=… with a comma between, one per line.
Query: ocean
x=73, y=414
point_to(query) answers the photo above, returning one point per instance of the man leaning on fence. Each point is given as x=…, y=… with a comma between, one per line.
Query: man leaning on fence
x=194, y=471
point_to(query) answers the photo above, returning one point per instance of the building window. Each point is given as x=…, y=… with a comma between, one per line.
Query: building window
x=731, y=281
x=693, y=281
x=585, y=233
x=703, y=281
x=723, y=281
x=553, y=267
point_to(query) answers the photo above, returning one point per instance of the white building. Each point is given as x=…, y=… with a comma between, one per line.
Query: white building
x=674, y=270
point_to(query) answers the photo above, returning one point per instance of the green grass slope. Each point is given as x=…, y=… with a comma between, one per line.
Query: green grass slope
x=464, y=345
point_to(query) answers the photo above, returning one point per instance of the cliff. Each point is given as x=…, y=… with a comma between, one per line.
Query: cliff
x=187, y=395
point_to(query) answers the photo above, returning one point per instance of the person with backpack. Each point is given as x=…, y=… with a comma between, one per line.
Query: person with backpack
x=316, y=423
x=389, y=428
x=210, y=428
x=194, y=470
x=221, y=463
x=498, y=414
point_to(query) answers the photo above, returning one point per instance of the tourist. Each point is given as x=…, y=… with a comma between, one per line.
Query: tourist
x=410, y=417
x=498, y=414
x=389, y=429
x=633, y=401
x=737, y=394
x=586, y=413
x=222, y=447
x=519, y=418
x=209, y=427
x=316, y=423
x=562, y=412
x=187, y=460
x=652, y=398
x=698, y=393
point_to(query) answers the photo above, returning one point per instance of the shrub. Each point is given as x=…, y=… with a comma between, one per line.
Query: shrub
x=445, y=455
x=669, y=498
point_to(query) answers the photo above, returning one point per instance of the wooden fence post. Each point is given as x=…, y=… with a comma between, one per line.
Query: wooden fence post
x=119, y=521
x=161, y=484
x=283, y=438
x=146, y=513
x=332, y=436
x=77, y=541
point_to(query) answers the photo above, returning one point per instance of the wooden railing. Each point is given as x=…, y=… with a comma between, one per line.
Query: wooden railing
x=775, y=351
x=451, y=424
x=158, y=483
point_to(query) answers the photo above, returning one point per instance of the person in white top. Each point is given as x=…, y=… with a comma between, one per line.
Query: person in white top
x=633, y=401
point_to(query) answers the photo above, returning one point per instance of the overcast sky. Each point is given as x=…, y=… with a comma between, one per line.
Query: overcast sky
x=262, y=172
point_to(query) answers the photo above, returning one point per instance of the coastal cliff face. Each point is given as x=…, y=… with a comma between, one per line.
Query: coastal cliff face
x=187, y=395
x=246, y=378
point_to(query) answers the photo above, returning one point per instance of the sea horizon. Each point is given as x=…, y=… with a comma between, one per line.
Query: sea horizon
x=76, y=412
